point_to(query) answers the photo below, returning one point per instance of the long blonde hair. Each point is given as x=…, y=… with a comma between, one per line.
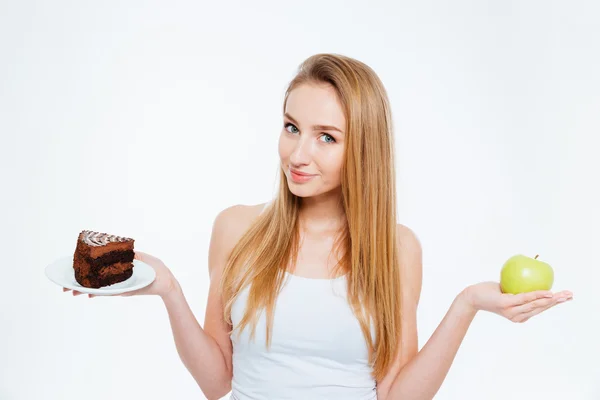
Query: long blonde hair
x=369, y=253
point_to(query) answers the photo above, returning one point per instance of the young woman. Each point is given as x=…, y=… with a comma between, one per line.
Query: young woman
x=314, y=295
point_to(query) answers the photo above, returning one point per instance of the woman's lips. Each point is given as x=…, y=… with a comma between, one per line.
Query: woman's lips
x=300, y=178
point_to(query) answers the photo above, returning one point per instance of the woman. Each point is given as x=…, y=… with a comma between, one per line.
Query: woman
x=314, y=295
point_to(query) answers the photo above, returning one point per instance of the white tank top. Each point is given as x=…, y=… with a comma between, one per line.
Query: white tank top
x=317, y=348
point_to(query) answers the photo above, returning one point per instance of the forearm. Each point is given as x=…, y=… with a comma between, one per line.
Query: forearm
x=198, y=351
x=421, y=378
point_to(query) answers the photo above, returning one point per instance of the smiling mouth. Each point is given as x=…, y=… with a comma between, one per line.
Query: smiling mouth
x=300, y=178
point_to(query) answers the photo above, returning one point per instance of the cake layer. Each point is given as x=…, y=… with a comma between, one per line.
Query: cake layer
x=98, y=281
x=96, y=244
x=106, y=259
x=106, y=275
x=114, y=269
x=84, y=267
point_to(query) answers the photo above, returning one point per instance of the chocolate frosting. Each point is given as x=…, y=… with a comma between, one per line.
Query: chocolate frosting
x=93, y=238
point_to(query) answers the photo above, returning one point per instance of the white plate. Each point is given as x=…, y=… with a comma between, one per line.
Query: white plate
x=62, y=273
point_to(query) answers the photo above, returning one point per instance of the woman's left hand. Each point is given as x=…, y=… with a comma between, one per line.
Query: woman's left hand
x=487, y=296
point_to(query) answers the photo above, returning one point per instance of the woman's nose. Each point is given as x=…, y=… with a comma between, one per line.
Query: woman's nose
x=302, y=153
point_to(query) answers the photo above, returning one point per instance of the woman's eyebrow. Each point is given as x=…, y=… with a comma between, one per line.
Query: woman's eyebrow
x=316, y=127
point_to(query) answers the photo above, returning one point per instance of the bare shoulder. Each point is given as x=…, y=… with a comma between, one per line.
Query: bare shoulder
x=407, y=239
x=228, y=227
x=411, y=261
x=236, y=219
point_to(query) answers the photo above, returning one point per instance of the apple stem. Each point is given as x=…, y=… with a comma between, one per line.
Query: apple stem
x=536, y=256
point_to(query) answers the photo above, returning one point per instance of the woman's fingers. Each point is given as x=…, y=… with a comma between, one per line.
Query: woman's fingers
x=525, y=311
x=532, y=305
x=524, y=317
x=527, y=315
x=514, y=300
x=75, y=292
x=144, y=257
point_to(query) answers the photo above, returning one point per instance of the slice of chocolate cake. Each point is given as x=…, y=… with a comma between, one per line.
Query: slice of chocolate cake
x=102, y=259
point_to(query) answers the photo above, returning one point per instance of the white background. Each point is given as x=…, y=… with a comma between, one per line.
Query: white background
x=145, y=119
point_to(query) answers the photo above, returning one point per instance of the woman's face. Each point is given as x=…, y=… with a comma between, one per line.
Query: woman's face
x=312, y=139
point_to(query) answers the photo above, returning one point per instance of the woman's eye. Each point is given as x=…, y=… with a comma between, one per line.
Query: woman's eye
x=288, y=125
x=329, y=136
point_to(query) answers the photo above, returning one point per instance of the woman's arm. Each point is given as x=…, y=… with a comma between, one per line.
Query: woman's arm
x=419, y=375
x=205, y=352
x=423, y=375
x=199, y=351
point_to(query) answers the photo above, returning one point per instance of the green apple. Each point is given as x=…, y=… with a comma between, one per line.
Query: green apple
x=522, y=274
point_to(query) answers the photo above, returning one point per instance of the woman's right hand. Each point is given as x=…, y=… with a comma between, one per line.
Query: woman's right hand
x=164, y=284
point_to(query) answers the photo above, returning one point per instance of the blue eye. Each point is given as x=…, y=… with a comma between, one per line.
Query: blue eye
x=328, y=135
x=324, y=134
x=288, y=124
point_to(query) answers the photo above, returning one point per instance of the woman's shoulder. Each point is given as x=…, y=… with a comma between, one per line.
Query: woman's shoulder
x=239, y=215
x=409, y=247
x=229, y=226
x=406, y=237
